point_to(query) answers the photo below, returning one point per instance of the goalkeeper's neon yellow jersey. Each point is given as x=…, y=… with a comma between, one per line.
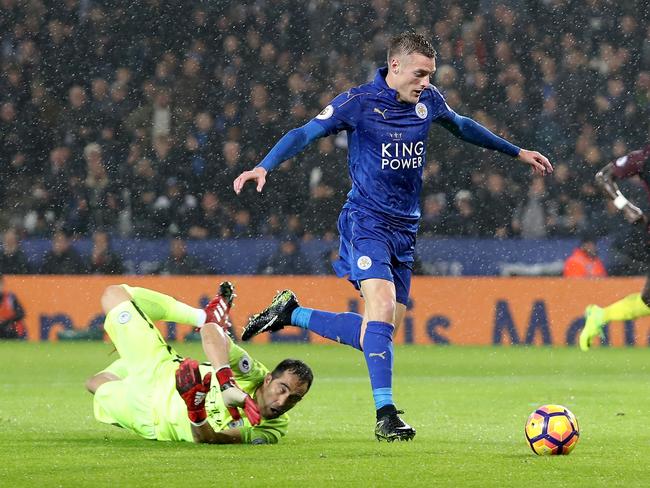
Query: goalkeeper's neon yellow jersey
x=173, y=423
x=146, y=402
x=249, y=375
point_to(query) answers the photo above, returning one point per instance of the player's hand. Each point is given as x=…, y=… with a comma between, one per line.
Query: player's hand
x=258, y=174
x=234, y=397
x=192, y=389
x=538, y=162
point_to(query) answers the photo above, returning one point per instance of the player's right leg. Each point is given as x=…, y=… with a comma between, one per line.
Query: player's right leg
x=377, y=340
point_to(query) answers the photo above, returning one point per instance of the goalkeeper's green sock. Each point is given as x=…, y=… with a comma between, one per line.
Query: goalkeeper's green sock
x=158, y=306
x=629, y=308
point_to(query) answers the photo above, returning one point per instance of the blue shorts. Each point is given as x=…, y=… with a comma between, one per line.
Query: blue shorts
x=372, y=248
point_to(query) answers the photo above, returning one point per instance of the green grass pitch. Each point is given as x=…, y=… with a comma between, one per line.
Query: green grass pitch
x=469, y=406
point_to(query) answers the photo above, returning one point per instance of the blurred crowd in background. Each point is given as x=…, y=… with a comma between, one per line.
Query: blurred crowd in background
x=133, y=118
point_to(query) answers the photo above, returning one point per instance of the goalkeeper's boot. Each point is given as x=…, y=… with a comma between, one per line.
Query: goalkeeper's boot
x=593, y=326
x=274, y=317
x=218, y=309
x=391, y=427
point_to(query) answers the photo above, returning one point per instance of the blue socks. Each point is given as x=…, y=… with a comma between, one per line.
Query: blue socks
x=378, y=350
x=346, y=329
x=340, y=327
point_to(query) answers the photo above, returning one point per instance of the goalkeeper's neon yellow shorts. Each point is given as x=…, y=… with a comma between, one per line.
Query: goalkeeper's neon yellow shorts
x=145, y=401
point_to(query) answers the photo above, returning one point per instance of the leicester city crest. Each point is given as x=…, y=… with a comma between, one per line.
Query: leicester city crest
x=364, y=262
x=421, y=110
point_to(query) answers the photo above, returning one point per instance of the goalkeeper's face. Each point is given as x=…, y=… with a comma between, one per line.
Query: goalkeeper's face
x=279, y=395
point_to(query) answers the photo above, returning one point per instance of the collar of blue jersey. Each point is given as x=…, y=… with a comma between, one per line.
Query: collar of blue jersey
x=380, y=82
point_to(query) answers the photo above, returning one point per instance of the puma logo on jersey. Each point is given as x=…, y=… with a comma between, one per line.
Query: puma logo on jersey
x=380, y=112
x=381, y=354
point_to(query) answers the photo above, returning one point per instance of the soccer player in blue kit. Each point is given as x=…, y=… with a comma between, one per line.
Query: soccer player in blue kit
x=387, y=122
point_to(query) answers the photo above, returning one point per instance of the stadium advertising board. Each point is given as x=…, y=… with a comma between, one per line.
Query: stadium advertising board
x=460, y=311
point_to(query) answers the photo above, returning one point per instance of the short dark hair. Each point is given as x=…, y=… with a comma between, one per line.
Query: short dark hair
x=297, y=367
x=409, y=43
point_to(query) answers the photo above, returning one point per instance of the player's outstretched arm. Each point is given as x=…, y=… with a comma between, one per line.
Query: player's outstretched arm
x=606, y=181
x=292, y=143
x=471, y=131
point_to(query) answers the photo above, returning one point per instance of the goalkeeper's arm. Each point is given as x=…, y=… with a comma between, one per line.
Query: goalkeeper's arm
x=217, y=348
x=193, y=390
x=216, y=344
x=205, y=434
x=605, y=179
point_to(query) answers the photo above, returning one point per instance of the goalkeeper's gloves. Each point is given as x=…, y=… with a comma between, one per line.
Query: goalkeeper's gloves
x=218, y=309
x=234, y=397
x=193, y=390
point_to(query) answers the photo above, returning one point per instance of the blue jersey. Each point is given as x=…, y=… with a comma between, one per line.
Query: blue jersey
x=386, y=146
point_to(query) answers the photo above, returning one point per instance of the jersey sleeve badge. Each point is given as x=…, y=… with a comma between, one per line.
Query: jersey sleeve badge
x=326, y=113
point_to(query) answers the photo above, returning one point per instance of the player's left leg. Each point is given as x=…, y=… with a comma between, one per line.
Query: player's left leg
x=360, y=258
x=285, y=310
x=629, y=308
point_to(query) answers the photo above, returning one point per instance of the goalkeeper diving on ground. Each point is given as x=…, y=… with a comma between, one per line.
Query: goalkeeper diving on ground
x=154, y=392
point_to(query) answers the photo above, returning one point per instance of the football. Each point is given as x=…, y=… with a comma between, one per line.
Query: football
x=552, y=430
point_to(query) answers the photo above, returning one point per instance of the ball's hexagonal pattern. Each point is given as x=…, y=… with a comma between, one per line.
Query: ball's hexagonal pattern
x=551, y=430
